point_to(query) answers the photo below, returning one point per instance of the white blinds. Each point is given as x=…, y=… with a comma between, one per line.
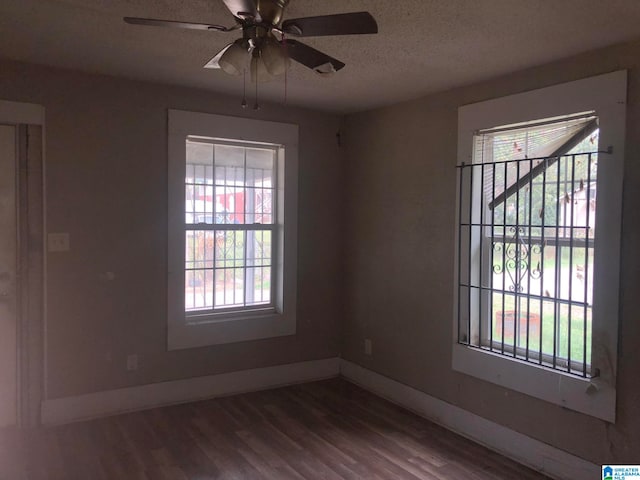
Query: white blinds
x=538, y=139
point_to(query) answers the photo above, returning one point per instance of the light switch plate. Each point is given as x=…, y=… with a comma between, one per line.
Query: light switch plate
x=58, y=242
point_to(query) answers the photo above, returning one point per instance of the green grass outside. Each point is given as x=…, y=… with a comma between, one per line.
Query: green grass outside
x=559, y=325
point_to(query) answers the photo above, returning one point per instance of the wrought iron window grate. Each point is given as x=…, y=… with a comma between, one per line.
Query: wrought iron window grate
x=525, y=259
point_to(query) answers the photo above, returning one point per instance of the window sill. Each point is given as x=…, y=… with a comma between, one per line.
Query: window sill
x=219, y=329
x=592, y=397
x=197, y=317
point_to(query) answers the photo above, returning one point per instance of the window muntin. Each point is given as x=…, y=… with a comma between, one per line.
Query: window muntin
x=526, y=243
x=230, y=233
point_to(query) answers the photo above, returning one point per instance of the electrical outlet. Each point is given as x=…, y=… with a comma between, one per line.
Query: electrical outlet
x=58, y=242
x=368, y=346
x=132, y=362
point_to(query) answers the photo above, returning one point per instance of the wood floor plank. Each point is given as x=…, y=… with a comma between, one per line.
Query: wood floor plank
x=330, y=430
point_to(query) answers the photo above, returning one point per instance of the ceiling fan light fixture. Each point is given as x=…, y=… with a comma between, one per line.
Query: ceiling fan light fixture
x=275, y=57
x=235, y=60
x=259, y=52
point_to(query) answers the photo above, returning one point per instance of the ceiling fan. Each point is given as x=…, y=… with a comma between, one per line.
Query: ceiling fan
x=265, y=48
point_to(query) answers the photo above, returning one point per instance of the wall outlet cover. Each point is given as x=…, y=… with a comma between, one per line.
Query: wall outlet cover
x=58, y=242
x=368, y=346
x=132, y=362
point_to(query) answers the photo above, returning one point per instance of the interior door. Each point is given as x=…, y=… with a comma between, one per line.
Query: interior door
x=8, y=245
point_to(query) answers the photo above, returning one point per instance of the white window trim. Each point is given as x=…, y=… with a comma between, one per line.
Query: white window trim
x=606, y=95
x=218, y=328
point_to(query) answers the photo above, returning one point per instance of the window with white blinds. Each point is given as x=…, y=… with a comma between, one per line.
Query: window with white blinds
x=531, y=214
x=537, y=241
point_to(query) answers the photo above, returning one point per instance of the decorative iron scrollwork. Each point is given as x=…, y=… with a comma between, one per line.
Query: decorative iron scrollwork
x=517, y=258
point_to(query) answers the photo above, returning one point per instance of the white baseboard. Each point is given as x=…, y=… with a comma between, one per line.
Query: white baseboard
x=526, y=450
x=113, y=402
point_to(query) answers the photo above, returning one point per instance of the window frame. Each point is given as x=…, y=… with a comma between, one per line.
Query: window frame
x=606, y=96
x=215, y=312
x=198, y=329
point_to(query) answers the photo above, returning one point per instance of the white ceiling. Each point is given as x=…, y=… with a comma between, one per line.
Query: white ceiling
x=423, y=45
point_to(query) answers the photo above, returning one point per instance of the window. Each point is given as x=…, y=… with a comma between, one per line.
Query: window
x=535, y=309
x=531, y=218
x=232, y=210
x=230, y=232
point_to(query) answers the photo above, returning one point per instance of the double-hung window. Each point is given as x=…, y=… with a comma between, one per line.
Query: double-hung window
x=232, y=229
x=230, y=233
x=537, y=242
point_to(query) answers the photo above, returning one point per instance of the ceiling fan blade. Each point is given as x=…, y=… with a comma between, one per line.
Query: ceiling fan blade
x=213, y=63
x=243, y=8
x=312, y=58
x=170, y=23
x=342, y=24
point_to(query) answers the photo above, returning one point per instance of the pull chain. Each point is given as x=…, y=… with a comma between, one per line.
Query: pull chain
x=286, y=70
x=244, y=88
x=256, y=106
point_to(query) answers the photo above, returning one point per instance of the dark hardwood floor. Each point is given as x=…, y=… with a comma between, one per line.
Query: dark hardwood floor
x=323, y=430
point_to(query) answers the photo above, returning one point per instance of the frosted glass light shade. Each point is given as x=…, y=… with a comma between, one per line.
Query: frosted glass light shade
x=259, y=71
x=235, y=59
x=275, y=57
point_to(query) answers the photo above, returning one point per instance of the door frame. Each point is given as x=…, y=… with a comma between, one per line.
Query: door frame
x=29, y=120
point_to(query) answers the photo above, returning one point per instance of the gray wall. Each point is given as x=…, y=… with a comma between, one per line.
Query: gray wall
x=391, y=208
x=106, y=184
x=399, y=256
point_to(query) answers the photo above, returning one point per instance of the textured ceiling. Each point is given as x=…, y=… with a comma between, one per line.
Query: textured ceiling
x=423, y=45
